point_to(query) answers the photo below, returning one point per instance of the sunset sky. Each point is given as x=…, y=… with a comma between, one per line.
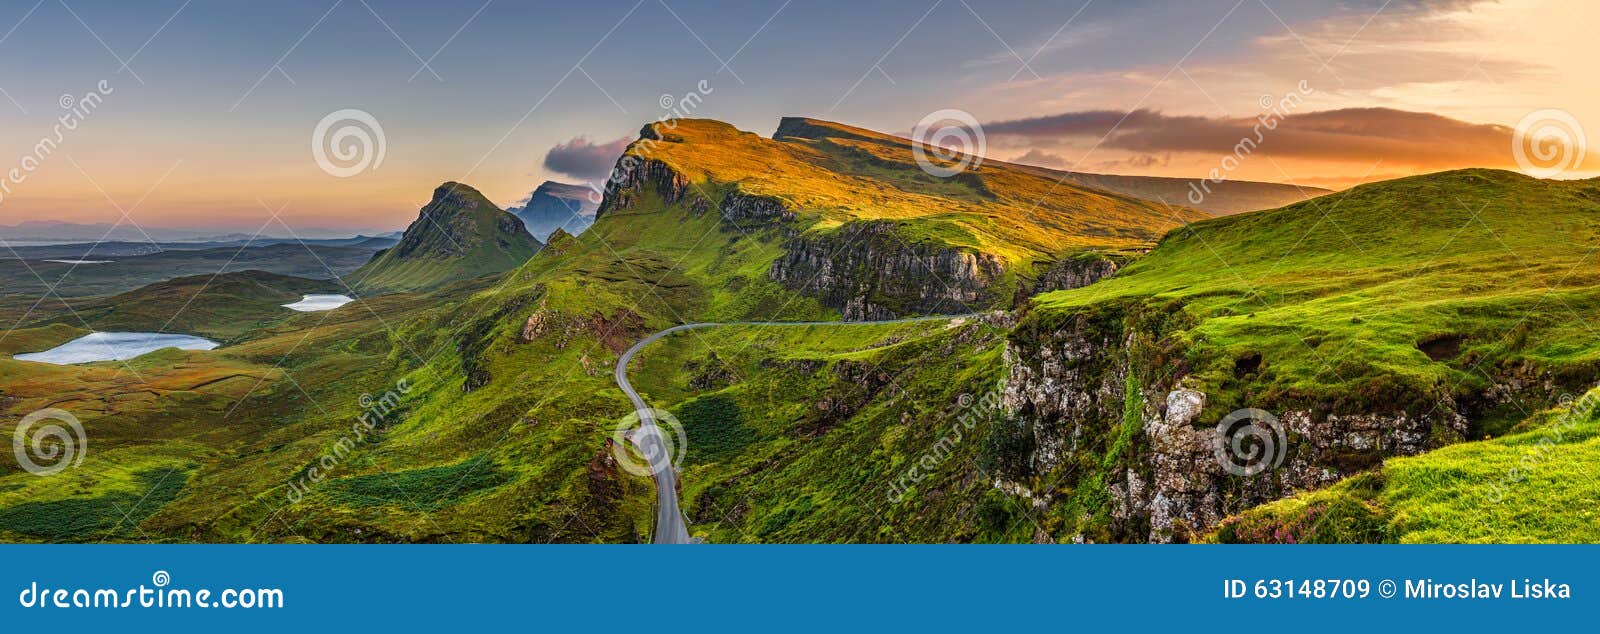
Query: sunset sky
x=210, y=123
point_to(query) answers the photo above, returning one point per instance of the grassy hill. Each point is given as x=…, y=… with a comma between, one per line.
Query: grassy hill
x=1228, y=197
x=459, y=235
x=36, y=278
x=1536, y=484
x=1353, y=297
x=1396, y=318
x=866, y=230
x=222, y=307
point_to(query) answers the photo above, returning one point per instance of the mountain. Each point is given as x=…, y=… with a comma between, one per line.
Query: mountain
x=1415, y=313
x=458, y=235
x=1221, y=199
x=557, y=206
x=1079, y=403
x=870, y=233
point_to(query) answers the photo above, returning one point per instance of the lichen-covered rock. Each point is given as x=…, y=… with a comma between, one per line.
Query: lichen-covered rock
x=868, y=272
x=1110, y=407
x=1068, y=273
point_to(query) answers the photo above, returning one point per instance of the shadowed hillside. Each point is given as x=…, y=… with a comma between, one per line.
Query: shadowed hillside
x=459, y=235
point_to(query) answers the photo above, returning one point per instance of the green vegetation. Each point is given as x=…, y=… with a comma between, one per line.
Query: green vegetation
x=492, y=364
x=837, y=433
x=31, y=279
x=1344, y=298
x=1536, y=485
x=223, y=307
x=418, y=489
x=834, y=174
x=459, y=235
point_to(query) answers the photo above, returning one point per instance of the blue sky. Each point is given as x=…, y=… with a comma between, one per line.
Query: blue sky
x=214, y=131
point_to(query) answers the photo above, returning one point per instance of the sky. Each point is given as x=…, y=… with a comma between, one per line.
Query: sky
x=204, y=112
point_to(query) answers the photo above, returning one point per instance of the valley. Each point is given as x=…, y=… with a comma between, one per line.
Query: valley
x=854, y=350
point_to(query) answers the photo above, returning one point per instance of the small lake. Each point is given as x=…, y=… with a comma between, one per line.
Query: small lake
x=115, y=346
x=315, y=303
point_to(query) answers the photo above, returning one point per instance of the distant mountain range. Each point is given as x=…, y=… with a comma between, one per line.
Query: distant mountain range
x=1218, y=199
x=40, y=232
x=558, y=206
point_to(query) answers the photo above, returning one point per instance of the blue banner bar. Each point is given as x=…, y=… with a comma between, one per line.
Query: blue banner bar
x=796, y=588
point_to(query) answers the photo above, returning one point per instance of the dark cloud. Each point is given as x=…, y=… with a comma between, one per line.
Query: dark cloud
x=585, y=160
x=1353, y=135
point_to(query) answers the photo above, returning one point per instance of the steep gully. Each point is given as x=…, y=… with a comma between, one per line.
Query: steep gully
x=670, y=525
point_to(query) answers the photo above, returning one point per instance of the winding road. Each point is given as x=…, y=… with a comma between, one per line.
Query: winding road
x=670, y=525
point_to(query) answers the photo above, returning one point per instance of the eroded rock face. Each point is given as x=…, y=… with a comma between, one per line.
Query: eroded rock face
x=633, y=176
x=1069, y=273
x=863, y=269
x=1149, y=439
x=868, y=273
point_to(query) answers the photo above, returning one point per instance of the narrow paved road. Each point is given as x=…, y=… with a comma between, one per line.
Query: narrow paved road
x=670, y=526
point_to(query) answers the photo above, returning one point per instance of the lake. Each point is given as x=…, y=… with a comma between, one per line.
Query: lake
x=314, y=303
x=115, y=346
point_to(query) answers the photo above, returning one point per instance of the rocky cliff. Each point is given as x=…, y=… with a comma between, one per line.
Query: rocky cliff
x=1108, y=425
x=868, y=272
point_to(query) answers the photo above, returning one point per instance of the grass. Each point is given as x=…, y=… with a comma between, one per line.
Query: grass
x=849, y=175
x=459, y=235
x=418, y=489
x=1537, y=484
x=1337, y=294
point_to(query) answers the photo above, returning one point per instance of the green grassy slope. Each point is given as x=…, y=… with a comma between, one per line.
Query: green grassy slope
x=459, y=235
x=833, y=174
x=1539, y=483
x=32, y=279
x=851, y=433
x=1339, y=295
x=221, y=307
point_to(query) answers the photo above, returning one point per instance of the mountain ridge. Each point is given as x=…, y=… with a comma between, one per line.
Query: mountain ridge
x=458, y=235
x=1222, y=198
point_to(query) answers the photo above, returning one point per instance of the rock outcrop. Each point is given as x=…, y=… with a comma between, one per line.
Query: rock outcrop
x=1103, y=399
x=1068, y=273
x=868, y=272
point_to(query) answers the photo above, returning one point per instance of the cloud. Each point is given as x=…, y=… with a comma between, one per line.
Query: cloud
x=585, y=160
x=1359, y=135
x=1040, y=158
